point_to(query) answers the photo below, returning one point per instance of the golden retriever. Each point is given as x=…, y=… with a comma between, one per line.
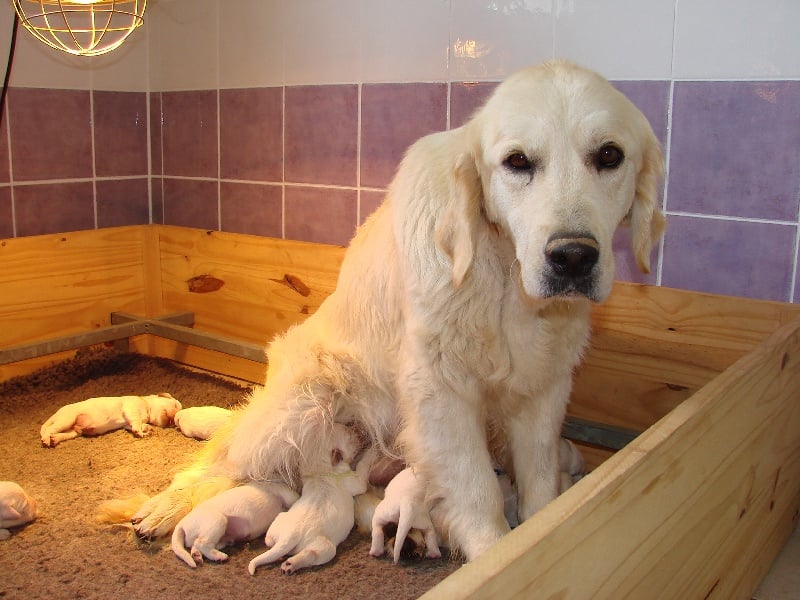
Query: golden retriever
x=461, y=310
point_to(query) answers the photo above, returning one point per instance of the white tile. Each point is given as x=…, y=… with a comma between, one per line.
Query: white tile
x=489, y=40
x=39, y=66
x=251, y=43
x=621, y=39
x=404, y=41
x=322, y=42
x=736, y=39
x=183, y=44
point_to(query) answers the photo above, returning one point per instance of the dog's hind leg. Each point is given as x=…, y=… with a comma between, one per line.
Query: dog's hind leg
x=320, y=551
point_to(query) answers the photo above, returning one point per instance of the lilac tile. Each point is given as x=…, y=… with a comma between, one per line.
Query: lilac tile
x=191, y=203
x=120, y=133
x=625, y=267
x=321, y=134
x=5, y=171
x=739, y=258
x=6, y=214
x=156, y=122
x=734, y=149
x=252, y=208
x=466, y=98
x=251, y=130
x=324, y=215
x=370, y=201
x=157, y=199
x=189, y=133
x=122, y=202
x=393, y=116
x=54, y=207
x=652, y=98
x=50, y=134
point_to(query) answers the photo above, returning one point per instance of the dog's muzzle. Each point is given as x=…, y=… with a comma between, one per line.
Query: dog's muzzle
x=571, y=260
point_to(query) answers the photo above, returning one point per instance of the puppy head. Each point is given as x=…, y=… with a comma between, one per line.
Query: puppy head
x=161, y=409
x=555, y=160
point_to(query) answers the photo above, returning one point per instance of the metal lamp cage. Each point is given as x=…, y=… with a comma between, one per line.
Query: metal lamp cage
x=81, y=27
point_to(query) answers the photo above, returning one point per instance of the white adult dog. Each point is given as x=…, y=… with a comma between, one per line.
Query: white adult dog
x=462, y=308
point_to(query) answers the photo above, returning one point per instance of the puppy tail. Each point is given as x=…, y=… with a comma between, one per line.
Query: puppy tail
x=120, y=510
x=178, y=546
x=403, y=527
x=273, y=554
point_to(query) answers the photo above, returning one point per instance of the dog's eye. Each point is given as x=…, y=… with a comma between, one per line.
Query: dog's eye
x=518, y=162
x=608, y=157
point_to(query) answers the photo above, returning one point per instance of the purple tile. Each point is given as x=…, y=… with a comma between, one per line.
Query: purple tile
x=393, y=116
x=120, y=133
x=370, y=201
x=50, y=134
x=252, y=208
x=321, y=134
x=157, y=198
x=189, y=133
x=734, y=149
x=324, y=215
x=738, y=258
x=54, y=207
x=6, y=214
x=466, y=98
x=5, y=171
x=652, y=98
x=625, y=268
x=122, y=202
x=251, y=134
x=156, y=121
x=191, y=203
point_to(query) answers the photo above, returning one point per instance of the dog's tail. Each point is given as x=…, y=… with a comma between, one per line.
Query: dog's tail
x=404, y=522
x=120, y=510
x=279, y=550
x=179, y=546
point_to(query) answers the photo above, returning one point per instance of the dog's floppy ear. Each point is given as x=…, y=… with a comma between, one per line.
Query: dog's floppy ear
x=645, y=217
x=457, y=232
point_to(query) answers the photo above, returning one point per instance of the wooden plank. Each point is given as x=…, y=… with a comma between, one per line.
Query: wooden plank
x=687, y=510
x=54, y=285
x=247, y=287
x=209, y=360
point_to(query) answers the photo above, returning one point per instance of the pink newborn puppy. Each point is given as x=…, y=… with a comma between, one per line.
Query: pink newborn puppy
x=321, y=519
x=16, y=508
x=200, y=422
x=404, y=504
x=107, y=413
x=235, y=515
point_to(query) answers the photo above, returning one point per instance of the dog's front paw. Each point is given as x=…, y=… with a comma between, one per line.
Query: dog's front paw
x=287, y=568
x=144, y=431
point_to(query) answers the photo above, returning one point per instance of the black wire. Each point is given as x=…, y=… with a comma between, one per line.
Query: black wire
x=11, y=48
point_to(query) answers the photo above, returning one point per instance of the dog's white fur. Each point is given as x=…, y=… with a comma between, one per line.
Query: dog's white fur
x=16, y=507
x=403, y=504
x=239, y=514
x=448, y=339
x=320, y=520
x=107, y=413
x=201, y=422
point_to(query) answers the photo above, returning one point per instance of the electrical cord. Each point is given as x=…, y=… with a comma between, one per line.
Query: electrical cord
x=7, y=77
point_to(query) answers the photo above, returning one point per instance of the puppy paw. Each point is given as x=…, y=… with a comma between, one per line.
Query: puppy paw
x=287, y=568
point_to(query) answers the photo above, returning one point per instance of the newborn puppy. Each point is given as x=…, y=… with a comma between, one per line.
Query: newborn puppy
x=107, y=413
x=200, y=422
x=404, y=504
x=235, y=515
x=323, y=516
x=16, y=507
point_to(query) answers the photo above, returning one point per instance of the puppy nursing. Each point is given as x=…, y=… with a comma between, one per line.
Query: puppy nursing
x=107, y=413
x=323, y=516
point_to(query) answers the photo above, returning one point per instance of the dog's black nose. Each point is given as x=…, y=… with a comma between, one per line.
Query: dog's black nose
x=572, y=257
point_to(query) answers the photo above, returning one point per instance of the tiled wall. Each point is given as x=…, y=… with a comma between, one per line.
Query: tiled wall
x=288, y=118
